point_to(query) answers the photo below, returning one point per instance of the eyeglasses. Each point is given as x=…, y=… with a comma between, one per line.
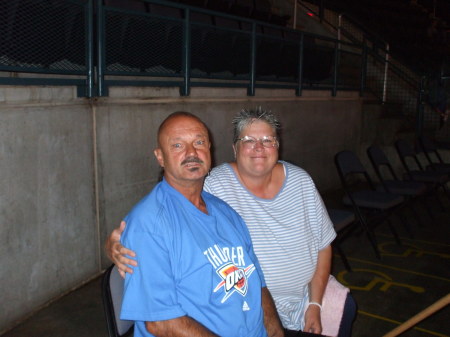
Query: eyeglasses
x=249, y=142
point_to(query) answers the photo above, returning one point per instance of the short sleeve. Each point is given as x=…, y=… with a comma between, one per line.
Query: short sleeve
x=150, y=291
x=326, y=228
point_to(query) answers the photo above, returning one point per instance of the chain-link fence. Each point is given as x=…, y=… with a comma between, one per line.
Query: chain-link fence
x=43, y=36
x=401, y=89
x=137, y=43
x=436, y=93
x=111, y=42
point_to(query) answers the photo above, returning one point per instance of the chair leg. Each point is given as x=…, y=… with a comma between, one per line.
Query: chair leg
x=343, y=256
x=428, y=207
x=373, y=242
x=372, y=239
x=446, y=191
x=394, y=232
x=406, y=225
x=439, y=201
x=369, y=232
x=416, y=215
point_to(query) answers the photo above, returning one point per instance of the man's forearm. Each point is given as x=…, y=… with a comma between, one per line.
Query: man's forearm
x=178, y=327
x=271, y=320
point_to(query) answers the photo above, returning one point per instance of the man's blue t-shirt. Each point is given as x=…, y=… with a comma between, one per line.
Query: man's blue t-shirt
x=191, y=263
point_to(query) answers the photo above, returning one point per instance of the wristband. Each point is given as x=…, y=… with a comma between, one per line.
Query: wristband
x=317, y=304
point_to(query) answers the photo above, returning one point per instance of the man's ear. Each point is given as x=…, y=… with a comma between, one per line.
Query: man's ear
x=234, y=150
x=159, y=156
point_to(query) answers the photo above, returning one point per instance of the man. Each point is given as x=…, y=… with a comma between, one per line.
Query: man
x=198, y=274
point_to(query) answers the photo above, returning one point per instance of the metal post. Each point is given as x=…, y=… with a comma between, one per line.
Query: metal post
x=339, y=27
x=90, y=49
x=335, y=72
x=101, y=90
x=185, y=90
x=251, y=86
x=420, y=107
x=362, y=85
x=298, y=92
x=294, y=24
x=321, y=10
x=386, y=69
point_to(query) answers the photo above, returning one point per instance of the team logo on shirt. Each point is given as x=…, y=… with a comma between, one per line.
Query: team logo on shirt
x=226, y=261
x=234, y=279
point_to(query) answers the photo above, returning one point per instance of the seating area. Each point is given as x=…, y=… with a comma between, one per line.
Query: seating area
x=416, y=36
x=367, y=204
x=412, y=191
x=415, y=170
x=431, y=152
x=372, y=207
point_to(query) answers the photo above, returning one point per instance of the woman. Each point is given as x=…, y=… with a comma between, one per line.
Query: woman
x=288, y=223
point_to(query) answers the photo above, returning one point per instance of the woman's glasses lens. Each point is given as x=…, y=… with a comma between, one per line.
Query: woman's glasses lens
x=249, y=142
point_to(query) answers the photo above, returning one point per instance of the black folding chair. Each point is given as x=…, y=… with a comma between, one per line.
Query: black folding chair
x=371, y=207
x=344, y=223
x=409, y=158
x=112, y=292
x=431, y=152
x=411, y=190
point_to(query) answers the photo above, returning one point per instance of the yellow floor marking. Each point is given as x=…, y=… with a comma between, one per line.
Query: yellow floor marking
x=423, y=241
x=399, y=269
x=381, y=278
x=398, y=323
x=409, y=250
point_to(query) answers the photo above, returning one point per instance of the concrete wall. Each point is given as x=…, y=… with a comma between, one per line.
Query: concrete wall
x=71, y=168
x=46, y=198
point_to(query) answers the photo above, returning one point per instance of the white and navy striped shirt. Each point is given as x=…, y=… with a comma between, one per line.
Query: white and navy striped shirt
x=287, y=233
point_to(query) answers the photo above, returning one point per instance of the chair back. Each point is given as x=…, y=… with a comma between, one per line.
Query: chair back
x=428, y=147
x=404, y=148
x=427, y=144
x=377, y=155
x=379, y=159
x=112, y=293
x=340, y=218
x=348, y=163
x=348, y=166
x=406, y=151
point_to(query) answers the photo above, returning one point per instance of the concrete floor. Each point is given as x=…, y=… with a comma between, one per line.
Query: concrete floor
x=406, y=280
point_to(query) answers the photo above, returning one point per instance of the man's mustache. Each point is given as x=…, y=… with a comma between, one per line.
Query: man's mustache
x=192, y=160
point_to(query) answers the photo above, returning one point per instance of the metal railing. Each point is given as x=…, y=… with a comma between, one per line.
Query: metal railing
x=47, y=37
x=186, y=46
x=98, y=44
x=160, y=43
x=388, y=80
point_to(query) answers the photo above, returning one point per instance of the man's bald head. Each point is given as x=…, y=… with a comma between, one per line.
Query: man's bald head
x=172, y=116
